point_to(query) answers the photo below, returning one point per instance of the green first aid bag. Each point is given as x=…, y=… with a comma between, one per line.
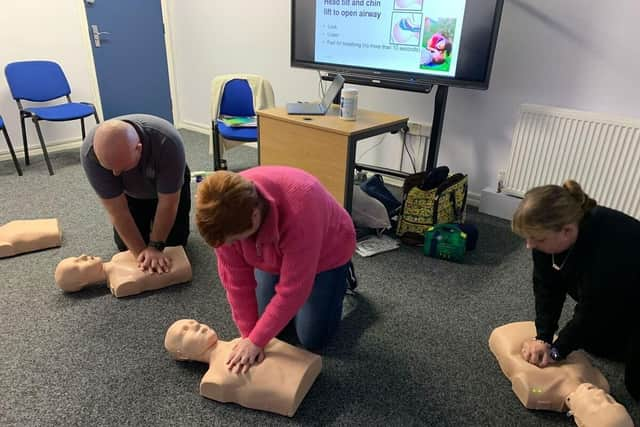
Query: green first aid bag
x=445, y=241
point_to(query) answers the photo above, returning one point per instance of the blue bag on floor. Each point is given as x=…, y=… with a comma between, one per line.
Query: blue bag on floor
x=374, y=187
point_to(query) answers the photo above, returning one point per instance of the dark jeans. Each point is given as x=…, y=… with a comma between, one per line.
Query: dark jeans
x=143, y=212
x=318, y=319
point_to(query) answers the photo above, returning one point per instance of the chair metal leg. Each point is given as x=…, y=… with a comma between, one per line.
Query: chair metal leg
x=82, y=127
x=24, y=139
x=13, y=153
x=217, y=161
x=44, y=149
x=95, y=115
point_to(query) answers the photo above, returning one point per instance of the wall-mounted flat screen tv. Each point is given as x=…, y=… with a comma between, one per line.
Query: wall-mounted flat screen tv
x=402, y=44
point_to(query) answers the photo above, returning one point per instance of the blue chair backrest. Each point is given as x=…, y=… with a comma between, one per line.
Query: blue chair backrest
x=237, y=99
x=36, y=80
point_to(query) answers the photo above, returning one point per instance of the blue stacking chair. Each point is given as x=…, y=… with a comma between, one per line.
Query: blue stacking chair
x=236, y=100
x=40, y=81
x=13, y=153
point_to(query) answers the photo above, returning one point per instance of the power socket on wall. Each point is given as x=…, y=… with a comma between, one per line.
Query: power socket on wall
x=419, y=128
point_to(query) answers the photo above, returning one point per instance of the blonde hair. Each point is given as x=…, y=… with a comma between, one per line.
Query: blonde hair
x=224, y=206
x=551, y=207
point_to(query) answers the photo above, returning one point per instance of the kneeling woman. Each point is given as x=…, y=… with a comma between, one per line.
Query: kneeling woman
x=283, y=246
x=591, y=253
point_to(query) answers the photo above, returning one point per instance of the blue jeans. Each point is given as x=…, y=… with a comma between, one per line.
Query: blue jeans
x=319, y=317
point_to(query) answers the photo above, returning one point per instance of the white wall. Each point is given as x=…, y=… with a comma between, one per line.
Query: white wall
x=50, y=30
x=569, y=53
x=572, y=53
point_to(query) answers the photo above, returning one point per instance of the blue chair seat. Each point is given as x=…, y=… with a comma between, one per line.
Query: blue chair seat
x=1, y=122
x=63, y=112
x=42, y=81
x=244, y=134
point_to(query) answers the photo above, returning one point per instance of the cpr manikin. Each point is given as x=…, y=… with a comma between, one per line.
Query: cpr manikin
x=277, y=384
x=121, y=274
x=592, y=406
x=21, y=236
x=557, y=386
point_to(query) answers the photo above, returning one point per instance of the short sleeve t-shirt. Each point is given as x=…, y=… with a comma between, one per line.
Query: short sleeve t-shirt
x=160, y=170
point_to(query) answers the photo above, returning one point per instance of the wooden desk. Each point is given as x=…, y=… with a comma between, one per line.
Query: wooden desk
x=324, y=146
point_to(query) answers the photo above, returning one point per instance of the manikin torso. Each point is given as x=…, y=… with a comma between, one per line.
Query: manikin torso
x=277, y=384
x=549, y=388
x=124, y=278
x=121, y=274
x=540, y=388
x=21, y=236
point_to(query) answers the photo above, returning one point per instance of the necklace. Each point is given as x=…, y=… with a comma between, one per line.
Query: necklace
x=564, y=261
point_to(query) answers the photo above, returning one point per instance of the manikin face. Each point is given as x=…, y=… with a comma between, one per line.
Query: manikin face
x=79, y=271
x=592, y=406
x=187, y=339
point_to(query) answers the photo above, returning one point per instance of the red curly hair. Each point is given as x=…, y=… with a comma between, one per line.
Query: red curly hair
x=225, y=203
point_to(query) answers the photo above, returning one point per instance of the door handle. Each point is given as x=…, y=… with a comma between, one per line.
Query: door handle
x=96, y=35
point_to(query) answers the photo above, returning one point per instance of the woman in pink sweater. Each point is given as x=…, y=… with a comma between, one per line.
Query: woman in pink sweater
x=283, y=245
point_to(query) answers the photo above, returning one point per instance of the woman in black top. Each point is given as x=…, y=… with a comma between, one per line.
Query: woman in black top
x=590, y=253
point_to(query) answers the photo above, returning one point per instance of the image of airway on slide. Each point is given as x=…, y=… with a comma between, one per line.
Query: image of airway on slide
x=408, y=4
x=405, y=28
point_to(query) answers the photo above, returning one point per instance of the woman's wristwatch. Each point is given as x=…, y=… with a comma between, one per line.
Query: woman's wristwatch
x=157, y=245
x=555, y=354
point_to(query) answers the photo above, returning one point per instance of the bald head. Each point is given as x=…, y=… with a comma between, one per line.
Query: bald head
x=117, y=146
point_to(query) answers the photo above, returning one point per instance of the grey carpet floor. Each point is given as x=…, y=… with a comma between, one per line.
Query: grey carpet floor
x=412, y=348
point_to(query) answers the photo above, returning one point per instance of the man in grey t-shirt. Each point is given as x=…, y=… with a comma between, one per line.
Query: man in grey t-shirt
x=136, y=164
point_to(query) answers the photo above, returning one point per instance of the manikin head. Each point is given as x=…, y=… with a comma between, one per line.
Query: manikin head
x=228, y=208
x=187, y=339
x=592, y=406
x=72, y=274
x=117, y=146
x=549, y=216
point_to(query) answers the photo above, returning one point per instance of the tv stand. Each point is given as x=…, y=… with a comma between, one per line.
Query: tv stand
x=430, y=156
x=440, y=105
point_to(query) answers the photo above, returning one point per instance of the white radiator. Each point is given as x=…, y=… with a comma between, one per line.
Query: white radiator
x=600, y=152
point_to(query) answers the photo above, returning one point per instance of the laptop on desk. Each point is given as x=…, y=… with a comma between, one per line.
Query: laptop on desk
x=317, y=108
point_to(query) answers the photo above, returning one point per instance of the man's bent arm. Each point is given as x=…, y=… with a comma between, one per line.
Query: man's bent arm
x=165, y=216
x=122, y=220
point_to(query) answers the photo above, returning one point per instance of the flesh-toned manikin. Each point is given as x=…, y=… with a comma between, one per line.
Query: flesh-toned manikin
x=593, y=407
x=276, y=384
x=21, y=236
x=121, y=274
x=556, y=387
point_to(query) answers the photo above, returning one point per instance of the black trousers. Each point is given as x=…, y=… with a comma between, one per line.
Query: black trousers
x=619, y=341
x=143, y=212
x=632, y=364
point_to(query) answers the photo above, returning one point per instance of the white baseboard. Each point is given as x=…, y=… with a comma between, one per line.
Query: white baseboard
x=496, y=204
x=52, y=147
x=473, y=199
x=195, y=127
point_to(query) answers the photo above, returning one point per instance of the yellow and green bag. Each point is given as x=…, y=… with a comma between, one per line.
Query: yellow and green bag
x=424, y=208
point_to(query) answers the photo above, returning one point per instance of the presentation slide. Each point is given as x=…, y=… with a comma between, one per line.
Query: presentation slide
x=415, y=36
